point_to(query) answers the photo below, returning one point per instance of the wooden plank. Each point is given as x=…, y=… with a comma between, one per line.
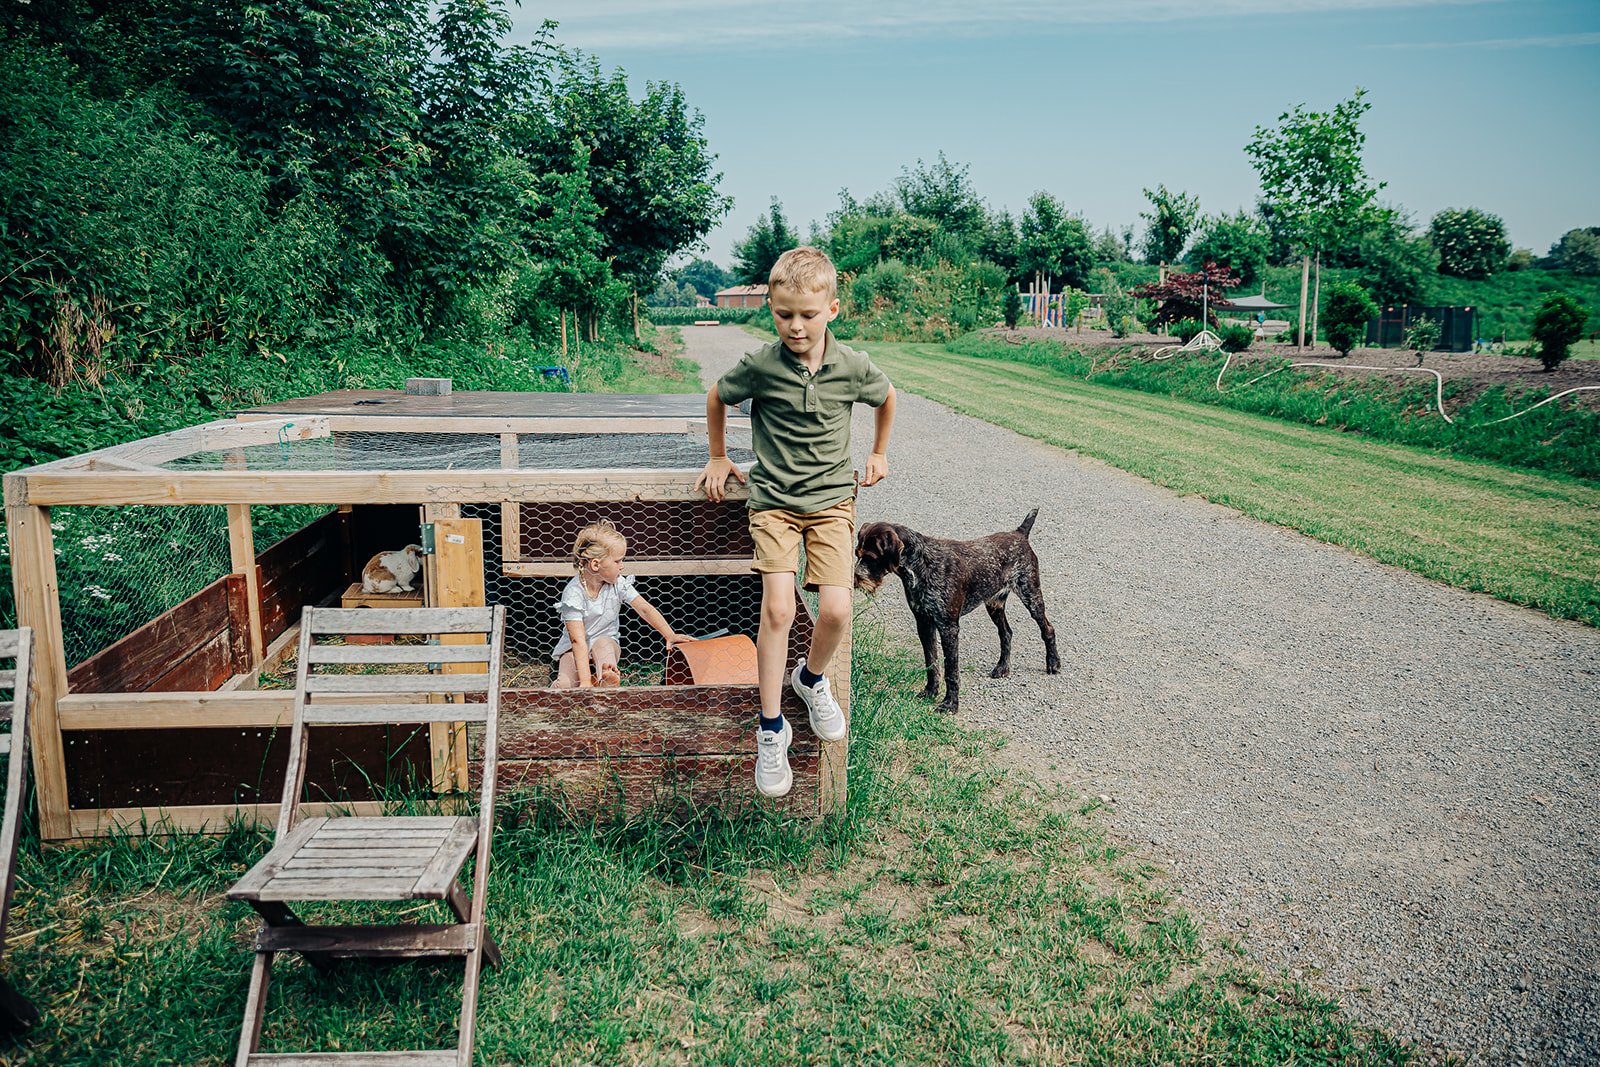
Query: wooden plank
x=693, y=529
x=139, y=660
x=456, y=581
x=291, y=889
x=420, y=1058
x=366, y=487
x=638, y=721
x=441, y=871
x=381, y=714
x=8, y=679
x=399, y=653
x=266, y=868
x=88, y=823
x=628, y=787
x=413, y=859
x=139, y=711
x=431, y=620
x=203, y=670
x=16, y=796
x=397, y=683
x=10, y=641
x=439, y=824
x=5, y=745
x=242, y=553
x=444, y=939
x=38, y=600
x=562, y=568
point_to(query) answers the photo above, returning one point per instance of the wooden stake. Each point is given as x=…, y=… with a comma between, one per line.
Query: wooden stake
x=242, y=550
x=33, y=579
x=454, y=580
x=1305, y=281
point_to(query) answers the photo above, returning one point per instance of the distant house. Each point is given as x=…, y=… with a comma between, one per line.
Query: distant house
x=701, y=301
x=742, y=296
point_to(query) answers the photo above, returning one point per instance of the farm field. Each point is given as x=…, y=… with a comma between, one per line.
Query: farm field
x=1525, y=537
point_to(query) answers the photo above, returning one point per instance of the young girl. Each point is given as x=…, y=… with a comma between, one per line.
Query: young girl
x=591, y=608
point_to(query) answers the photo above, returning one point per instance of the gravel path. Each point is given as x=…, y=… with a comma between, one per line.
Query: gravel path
x=1383, y=785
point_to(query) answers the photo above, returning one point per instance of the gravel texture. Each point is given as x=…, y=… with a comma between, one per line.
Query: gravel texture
x=1383, y=786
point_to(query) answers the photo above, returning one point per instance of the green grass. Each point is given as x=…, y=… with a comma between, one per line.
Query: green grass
x=1529, y=538
x=962, y=912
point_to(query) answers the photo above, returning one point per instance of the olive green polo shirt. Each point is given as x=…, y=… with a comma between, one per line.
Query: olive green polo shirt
x=801, y=422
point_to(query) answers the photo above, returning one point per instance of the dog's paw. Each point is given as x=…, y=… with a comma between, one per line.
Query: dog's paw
x=928, y=694
x=1001, y=670
x=948, y=706
x=1052, y=666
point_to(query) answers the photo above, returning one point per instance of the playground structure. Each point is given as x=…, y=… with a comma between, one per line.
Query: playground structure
x=167, y=718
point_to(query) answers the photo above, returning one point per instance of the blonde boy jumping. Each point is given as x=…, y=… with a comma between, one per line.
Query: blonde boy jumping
x=802, y=488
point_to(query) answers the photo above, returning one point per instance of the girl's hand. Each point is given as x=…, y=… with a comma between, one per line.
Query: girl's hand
x=675, y=638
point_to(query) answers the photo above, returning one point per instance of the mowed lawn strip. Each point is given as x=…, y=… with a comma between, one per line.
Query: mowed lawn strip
x=1528, y=538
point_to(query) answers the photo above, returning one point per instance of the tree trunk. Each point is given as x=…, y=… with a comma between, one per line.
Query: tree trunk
x=635, y=307
x=1316, y=295
x=1305, y=281
x=563, y=335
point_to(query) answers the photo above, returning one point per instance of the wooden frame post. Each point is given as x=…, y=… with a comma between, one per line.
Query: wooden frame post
x=454, y=579
x=831, y=783
x=33, y=578
x=242, y=551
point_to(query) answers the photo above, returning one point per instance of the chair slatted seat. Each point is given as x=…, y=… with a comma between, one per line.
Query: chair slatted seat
x=16, y=1011
x=380, y=858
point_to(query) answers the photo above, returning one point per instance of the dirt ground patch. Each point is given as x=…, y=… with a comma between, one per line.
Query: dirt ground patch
x=1478, y=370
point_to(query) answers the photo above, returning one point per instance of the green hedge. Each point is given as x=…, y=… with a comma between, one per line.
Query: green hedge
x=690, y=316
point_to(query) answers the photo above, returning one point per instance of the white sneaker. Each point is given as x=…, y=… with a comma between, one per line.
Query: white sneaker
x=773, y=778
x=827, y=718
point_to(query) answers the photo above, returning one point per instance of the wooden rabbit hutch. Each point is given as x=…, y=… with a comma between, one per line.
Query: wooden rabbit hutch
x=165, y=719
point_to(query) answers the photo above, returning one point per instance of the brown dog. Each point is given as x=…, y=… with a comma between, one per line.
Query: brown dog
x=946, y=579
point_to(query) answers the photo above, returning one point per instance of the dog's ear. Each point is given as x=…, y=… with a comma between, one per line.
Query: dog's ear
x=883, y=545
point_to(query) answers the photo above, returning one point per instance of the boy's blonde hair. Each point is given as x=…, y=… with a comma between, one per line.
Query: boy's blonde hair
x=598, y=540
x=806, y=269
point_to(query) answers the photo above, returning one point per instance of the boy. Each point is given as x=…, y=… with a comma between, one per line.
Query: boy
x=802, y=488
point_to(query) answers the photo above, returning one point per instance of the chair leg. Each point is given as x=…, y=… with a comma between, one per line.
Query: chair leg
x=255, y=1008
x=276, y=913
x=459, y=904
x=16, y=1011
x=469, y=1005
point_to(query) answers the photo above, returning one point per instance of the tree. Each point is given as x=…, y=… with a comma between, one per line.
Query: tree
x=768, y=238
x=1170, y=223
x=1011, y=307
x=1557, y=326
x=1577, y=251
x=1471, y=243
x=943, y=192
x=1053, y=244
x=1390, y=258
x=571, y=272
x=1311, y=172
x=1349, y=308
x=1238, y=241
x=703, y=276
x=1189, y=296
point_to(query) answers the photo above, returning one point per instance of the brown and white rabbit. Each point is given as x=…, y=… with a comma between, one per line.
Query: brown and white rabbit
x=390, y=572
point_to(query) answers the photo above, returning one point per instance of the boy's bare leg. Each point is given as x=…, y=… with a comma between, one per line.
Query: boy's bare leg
x=833, y=619
x=772, y=640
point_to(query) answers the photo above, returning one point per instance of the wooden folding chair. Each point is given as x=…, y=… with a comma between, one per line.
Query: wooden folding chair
x=16, y=1011
x=387, y=858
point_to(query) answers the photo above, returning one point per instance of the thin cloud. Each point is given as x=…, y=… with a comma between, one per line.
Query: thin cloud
x=1567, y=40
x=677, y=24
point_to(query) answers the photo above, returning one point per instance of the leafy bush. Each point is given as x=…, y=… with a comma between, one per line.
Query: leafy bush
x=1236, y=337
x=1011, y=307
x=1557, y=326
x=1188, y=296
x=1422, y=335
x=1186, y=330
x=1345, y=315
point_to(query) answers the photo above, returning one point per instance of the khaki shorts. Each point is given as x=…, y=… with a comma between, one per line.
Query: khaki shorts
x=829, y=536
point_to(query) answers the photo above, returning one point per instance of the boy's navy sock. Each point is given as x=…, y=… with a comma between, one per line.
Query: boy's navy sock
x=774, y=724
x=807, y=678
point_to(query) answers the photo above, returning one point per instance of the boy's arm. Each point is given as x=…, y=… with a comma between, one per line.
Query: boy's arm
x=878, y=463
x=715, y=475
x=648, y=612
x=580, y=651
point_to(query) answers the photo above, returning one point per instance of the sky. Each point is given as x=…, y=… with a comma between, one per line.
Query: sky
x=1475, y=103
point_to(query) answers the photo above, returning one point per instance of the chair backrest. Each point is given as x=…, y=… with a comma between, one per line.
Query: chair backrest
x=416, y=683
x=16, y=676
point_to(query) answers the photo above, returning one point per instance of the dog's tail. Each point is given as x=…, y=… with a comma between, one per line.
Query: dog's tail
x=1027, y=523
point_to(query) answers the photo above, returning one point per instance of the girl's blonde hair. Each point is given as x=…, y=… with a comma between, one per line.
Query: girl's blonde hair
x=597, y=540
